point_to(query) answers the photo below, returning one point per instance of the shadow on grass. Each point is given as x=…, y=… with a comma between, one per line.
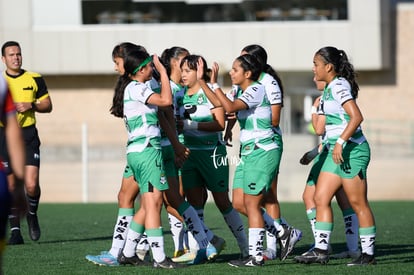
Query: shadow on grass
x=391, y=253
x=166, y=233
x=77, y=240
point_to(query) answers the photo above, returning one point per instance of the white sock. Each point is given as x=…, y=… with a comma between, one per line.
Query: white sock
x=367, y=236
x=311, y=213
x=177, y=232
x=323, y=232
x=256, y=239
x=192, y=242
x=156, y=240
x=271, y=242
x=143, y=244
x=120, y=230
x=131, y=242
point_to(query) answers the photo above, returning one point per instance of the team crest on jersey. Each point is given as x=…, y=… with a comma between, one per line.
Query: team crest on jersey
x=163, y=179
x=200, y=99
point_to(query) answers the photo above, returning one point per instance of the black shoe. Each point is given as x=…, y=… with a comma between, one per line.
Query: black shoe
x=134, y=260
x=364, y=259
x=313, y=256
x=15, y=238
x=34, y=228
x=246, y=262
x=167, y=264
x=284, y=242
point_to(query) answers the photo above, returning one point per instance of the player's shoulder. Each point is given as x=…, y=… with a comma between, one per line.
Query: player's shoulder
x=265, y=78
x=339, y=82
x=32, y=74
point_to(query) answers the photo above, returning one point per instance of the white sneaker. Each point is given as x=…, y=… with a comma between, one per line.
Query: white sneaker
x=347, y=254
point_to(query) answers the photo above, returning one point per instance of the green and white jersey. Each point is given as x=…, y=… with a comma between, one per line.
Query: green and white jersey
x=256, y=121
x=140, y=118
x=273, y=93
x=154, y=85
x=334, y=96
x=178, y=95
x=175, y=90
x=197, y=107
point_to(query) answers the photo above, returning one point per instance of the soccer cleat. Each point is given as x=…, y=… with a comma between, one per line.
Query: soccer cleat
x=312, y=247
x=143, y=255
x=214, y=248
x=185, y=258
x=34, y=228
x=314, y=256
x=294, y=238
x=178, y=253
x=269, y=254
x=347, y=254
x=247, y=262
x=192, y=257
x=364, y=259
x=15, y=238
x=288, y=240
x=134, y=260
x=104, y=259
x=167, y=264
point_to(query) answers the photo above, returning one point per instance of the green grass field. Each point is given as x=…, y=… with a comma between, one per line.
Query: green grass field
x=71, y=231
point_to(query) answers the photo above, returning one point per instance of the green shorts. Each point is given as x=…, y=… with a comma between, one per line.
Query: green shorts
x=316, y=167
x=356, y=159
x=169, y=161
x=128, y=172
x=255, y=171
x=207, y=168
x=279, y=151
x=148, y=169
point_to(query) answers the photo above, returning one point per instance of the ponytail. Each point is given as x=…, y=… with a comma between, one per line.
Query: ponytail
x=342, y=66
x=261, y=55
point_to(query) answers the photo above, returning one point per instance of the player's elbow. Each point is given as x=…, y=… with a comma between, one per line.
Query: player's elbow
x=165, y=102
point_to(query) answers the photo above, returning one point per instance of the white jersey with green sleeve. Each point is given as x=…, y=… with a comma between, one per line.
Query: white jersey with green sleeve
x=273, y=93
x=175, y=89
x=140, y=118
x=255, y=121
x=197, y=107
x=335, y=94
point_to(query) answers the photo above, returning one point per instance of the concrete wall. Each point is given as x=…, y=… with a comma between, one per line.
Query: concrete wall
x=54, y=41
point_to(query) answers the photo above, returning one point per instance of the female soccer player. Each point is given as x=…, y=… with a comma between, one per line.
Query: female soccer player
x=347, y=160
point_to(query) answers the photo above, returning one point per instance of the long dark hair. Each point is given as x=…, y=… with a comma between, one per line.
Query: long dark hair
x=260, y=53
x=250, y=63
x=171, y=53
x=122, y=50
x=192, y=60
x=341, y=64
